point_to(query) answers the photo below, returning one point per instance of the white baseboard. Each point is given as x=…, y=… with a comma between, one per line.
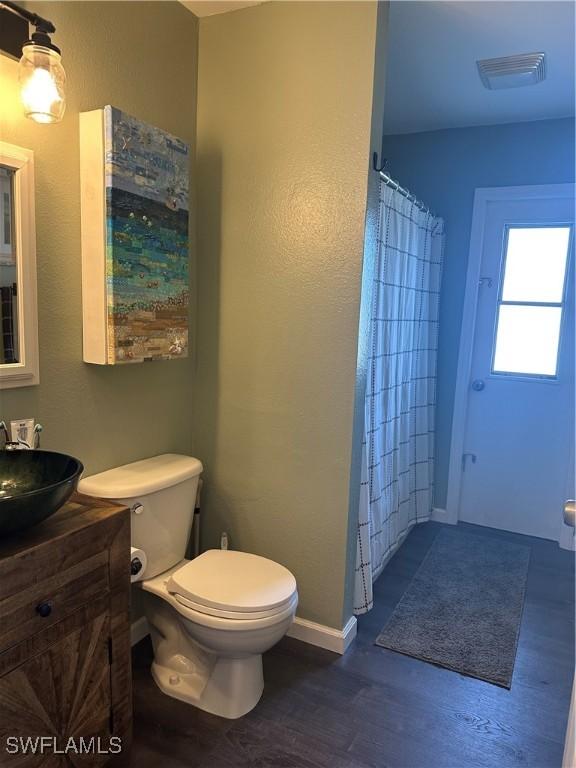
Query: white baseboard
x=138, y=630
x=336, y=640
x=440, y=515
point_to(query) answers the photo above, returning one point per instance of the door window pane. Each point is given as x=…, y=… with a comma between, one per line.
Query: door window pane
x=535, y=264
x=527, y=340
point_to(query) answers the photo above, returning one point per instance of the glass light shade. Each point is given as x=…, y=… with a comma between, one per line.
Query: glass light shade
x=42, y=79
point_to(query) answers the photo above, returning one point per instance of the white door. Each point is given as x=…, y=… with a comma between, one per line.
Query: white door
x=519, y=422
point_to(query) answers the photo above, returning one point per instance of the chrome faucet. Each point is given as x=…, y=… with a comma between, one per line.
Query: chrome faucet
x=15, y=445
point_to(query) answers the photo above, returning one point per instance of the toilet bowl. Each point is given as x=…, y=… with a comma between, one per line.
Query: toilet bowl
x=210, y=618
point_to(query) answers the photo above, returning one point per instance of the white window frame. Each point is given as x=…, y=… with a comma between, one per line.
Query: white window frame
x=26, y=371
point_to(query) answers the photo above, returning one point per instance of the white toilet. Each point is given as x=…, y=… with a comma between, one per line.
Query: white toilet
x=210, y=618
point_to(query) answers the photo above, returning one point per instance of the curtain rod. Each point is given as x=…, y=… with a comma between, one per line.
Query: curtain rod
x=389, y=181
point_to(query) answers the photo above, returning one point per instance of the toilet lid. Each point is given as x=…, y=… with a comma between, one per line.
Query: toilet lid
x=233, y=581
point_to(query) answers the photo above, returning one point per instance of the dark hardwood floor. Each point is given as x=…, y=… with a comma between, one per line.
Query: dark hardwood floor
x=374, y=708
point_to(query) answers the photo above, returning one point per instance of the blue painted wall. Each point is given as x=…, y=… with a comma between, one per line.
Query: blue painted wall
x=444, y=168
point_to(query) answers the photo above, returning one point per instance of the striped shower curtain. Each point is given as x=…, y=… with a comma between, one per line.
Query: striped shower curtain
x=397, y=476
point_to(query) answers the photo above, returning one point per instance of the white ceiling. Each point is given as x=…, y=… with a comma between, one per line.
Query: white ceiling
x=432, y=80
x=211, y=7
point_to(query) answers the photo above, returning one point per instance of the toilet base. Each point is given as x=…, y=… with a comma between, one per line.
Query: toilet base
x=232, y=690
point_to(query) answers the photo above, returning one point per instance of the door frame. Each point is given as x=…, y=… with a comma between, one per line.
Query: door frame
x=569, y=760
x=483, y=196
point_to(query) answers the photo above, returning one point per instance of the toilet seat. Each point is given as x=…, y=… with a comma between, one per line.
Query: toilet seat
x=232, y=585
x=230, y=627
x=229, y=621
x=236, y=615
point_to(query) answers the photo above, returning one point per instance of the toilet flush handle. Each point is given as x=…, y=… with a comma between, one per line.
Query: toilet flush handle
x=137, y=508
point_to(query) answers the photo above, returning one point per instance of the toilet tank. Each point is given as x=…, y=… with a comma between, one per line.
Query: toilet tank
x=161, y=492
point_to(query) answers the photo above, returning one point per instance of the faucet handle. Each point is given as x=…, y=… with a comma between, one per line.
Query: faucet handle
x=36, y=436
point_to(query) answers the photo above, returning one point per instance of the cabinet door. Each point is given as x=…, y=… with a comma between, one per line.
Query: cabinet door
x=64, y=693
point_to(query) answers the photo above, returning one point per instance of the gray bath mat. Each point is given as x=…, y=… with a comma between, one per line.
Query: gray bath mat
x=463, y=608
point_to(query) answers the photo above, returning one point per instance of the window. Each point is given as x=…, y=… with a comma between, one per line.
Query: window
x=531, y=301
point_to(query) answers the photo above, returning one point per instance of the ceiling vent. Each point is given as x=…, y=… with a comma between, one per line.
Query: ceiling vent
x=512, y=71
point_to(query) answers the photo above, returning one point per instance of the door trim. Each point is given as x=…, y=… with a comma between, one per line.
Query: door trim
x=483, y=196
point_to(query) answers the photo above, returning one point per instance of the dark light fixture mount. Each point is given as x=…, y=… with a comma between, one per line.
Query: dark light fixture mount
x=14, y=32
x=43, y=27
x=41, y=74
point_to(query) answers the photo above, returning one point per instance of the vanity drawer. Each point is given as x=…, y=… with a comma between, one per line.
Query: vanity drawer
x=46, y=602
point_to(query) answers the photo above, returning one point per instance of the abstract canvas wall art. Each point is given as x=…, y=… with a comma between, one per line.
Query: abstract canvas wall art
x=135, y=276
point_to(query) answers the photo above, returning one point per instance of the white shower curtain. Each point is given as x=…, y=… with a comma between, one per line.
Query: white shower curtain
x=397, y=477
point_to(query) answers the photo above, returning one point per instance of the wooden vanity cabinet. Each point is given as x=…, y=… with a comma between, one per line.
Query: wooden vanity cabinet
x=65, y=638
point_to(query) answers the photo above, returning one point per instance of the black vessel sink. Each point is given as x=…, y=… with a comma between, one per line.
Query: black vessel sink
x=34, y=485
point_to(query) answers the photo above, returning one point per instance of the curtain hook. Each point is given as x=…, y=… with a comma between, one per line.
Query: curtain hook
x=378, y=168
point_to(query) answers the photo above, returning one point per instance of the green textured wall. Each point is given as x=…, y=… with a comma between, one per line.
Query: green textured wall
x=284, y=117
x=142, y=58
x=285, y=106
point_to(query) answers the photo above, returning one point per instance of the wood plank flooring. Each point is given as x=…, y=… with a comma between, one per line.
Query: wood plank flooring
x=374, y=708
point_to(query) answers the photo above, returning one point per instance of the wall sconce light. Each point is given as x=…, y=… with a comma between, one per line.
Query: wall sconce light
x=40, y=71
